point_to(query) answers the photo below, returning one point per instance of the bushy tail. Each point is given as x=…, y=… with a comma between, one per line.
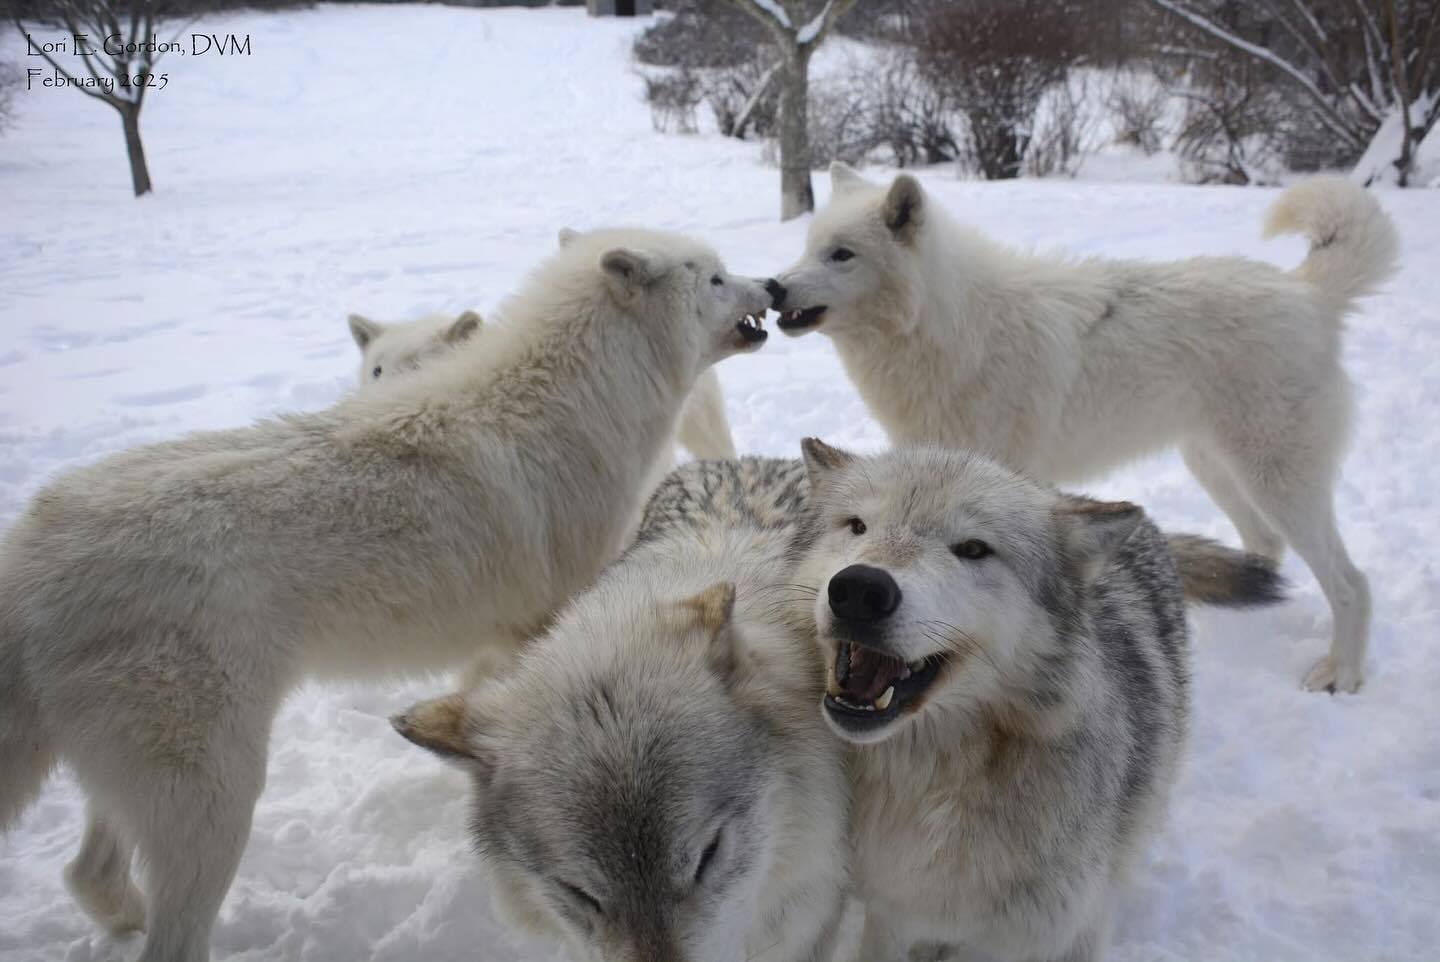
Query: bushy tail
x=1212, y=574
x=1353, y=244
x=25, y=753
x=704, y=430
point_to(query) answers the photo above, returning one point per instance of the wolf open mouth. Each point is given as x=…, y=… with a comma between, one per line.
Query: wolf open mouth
x=795, y=321
x=868, y=689
x=751, y=329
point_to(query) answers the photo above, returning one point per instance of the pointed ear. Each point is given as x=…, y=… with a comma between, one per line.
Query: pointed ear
x=1097, y=529
x=567, y=237
x=844, y=178
x=465, y=325
x=710, y=612
x=628, y=271
x=364, y=330
x=441, y=725
x=821, y=459
x=904, y=209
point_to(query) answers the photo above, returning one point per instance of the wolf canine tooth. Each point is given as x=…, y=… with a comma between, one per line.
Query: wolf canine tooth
x=883, y=702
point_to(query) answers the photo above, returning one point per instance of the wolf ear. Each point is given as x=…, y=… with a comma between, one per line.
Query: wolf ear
x=465, y=325
x=904, y=209
x=364, y=330
x=820, y=459
x=1097, y=529
x=567, y=237
x=441, y=725
x=628, y=271
x=710, y=612
x=844, y=178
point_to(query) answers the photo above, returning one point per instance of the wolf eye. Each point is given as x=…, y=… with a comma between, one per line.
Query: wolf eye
x=581, y=896
x=855, y=525
x=376, y=373
x=716, y=280
x=842, y=254
x=972, y=550
x=707, y=856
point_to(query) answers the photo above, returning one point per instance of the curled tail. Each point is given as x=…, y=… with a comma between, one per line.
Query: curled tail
x=1212, y=574
x=1353, y=244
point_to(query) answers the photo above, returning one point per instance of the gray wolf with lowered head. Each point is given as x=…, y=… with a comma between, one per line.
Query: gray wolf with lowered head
x=389, y=348
x=1011, y=666
x=1065, y=369
x=653, y=783
x=157, y=606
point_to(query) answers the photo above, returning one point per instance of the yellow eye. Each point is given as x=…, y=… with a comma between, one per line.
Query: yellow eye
x=855, y=525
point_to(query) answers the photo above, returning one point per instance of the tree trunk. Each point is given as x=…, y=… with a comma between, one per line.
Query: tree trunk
x=796, y=195
x=135, y=150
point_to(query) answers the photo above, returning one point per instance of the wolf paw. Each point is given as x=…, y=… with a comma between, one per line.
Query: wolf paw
x=1325, y=676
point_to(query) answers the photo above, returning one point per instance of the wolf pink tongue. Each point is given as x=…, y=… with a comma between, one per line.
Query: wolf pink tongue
x=871, y=673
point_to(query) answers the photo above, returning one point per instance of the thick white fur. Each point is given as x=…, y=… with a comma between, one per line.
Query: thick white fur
x=1065, y=369
x=156, y=607
x=399, y=347
x=784, y=905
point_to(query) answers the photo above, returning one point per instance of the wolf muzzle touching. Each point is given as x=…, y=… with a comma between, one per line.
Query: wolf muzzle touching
x=1011, y=665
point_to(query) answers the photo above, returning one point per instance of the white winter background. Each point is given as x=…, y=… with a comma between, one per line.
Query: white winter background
x=403, y=160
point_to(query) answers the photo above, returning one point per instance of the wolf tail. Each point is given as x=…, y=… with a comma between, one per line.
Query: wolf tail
x=1212, y=574
x=1353, y=244
x=26, y=757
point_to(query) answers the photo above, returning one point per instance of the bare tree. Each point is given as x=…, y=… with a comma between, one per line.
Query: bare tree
x=1356, y=64
x=118, y=47
x=797, y=30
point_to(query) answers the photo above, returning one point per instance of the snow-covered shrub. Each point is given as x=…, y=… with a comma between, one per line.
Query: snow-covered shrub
x=993, y=60
x=672, y=96
x=1138, y=102
x=1067, y=122
x=1235, y=125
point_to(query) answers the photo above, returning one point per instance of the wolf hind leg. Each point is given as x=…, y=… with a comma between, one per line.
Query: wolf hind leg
x=99, y=876
x=1256, y=533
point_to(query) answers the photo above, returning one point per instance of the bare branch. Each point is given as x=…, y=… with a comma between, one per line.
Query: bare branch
x=1327, y=112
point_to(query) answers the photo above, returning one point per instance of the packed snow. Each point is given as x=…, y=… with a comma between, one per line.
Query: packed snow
x=404, y=160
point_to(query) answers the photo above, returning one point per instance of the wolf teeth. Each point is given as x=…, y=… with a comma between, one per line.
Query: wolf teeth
x=883, y=702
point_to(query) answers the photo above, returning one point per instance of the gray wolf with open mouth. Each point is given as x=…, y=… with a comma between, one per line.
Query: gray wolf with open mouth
x=653, y=783
x=1010, y=664
x=1066, y=368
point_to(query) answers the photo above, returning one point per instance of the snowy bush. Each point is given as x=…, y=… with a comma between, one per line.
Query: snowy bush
x=672, y=96
x=993, y=60
x=1137, y=103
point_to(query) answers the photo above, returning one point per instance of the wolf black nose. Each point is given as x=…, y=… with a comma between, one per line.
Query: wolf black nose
x=863, y=593
x=776, y=290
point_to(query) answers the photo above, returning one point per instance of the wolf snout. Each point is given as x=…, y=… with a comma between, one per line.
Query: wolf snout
x=776, y=290
x=863, y=593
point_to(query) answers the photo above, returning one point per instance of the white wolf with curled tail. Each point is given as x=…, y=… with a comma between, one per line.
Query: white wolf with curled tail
x=1065, y=369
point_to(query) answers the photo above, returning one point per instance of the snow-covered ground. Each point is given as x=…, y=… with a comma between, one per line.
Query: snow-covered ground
x=400, y=160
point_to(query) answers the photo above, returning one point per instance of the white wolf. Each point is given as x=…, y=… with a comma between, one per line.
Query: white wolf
x=653, y=783
x=156, y=607
x=1012, y=666
x=400, y=347
x=1064, y=369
